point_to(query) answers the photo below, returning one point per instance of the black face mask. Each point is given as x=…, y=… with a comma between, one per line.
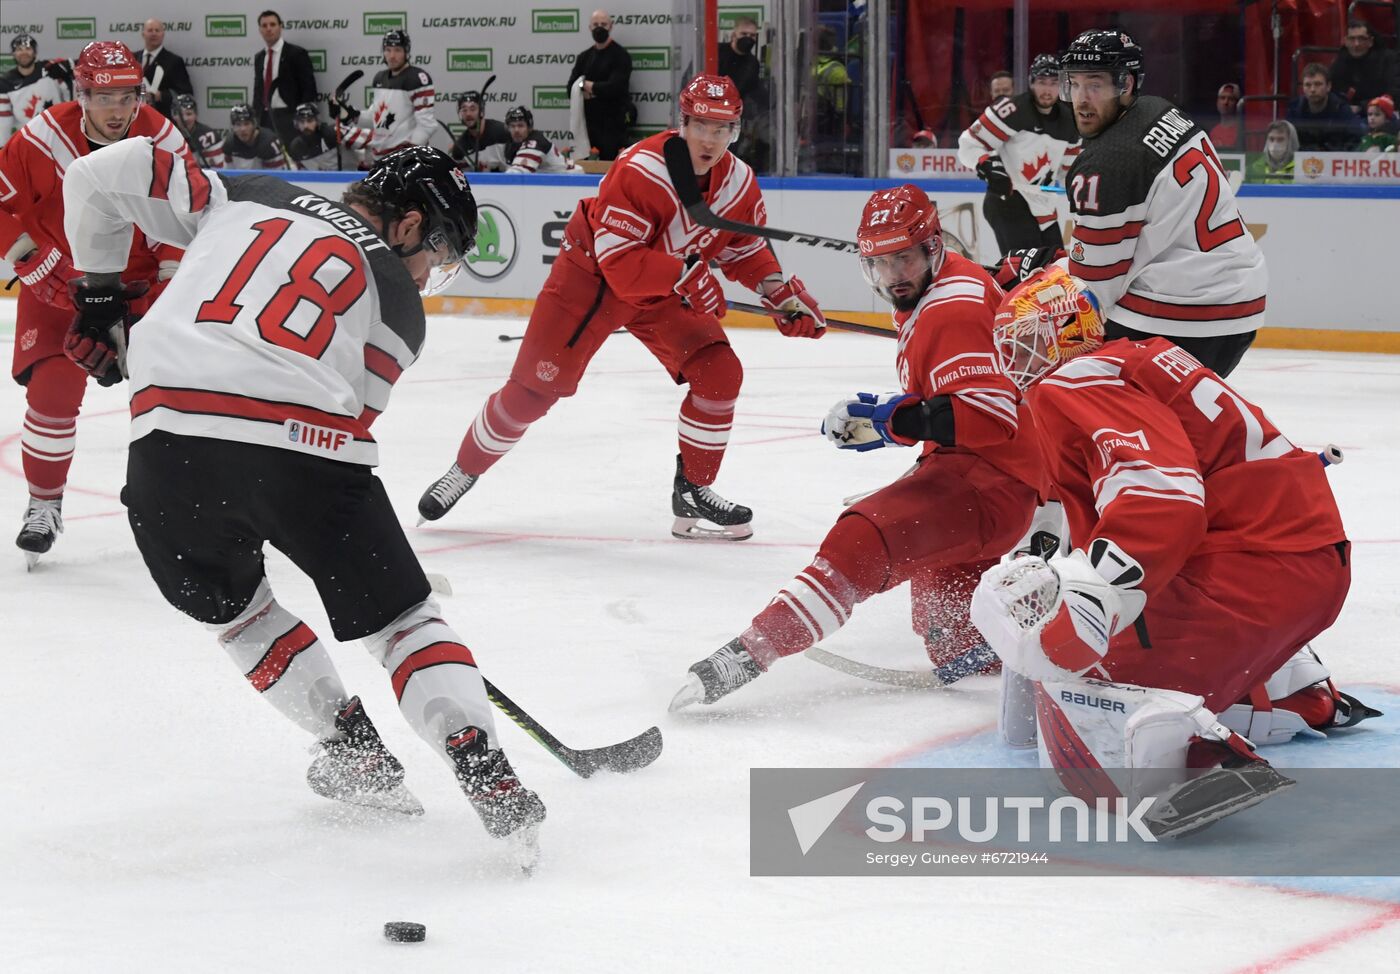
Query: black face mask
x=600, y=34
x=747, y=44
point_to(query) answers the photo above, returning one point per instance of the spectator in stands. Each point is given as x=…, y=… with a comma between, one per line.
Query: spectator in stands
x=1001, y=85
x=1275, y=163
x=925, y=139
x=1228, y=134
x=478, y=131
x=1324, y=121
x=163, y=70
x=1381, y=125
x=606, y=70
x=282, y=78
x=206, y=143
x=738, y=61
x=1362, y=70
x=315, y=146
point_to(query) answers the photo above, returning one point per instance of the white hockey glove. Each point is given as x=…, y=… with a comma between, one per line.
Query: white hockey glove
x=1053, y=621
x=863, y=423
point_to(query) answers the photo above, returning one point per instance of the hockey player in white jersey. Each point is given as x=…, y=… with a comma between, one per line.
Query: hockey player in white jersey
x=400, y=112
x=254, y=383
x=1018, y=146
x=1158, y=238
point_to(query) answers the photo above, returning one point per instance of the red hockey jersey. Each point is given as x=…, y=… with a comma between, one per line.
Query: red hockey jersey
x=945, y=349
x=641, y=235
x=32, y=165
x=1147, y=446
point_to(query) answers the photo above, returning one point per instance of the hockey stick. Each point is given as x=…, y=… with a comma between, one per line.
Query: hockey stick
x=516, y=338
x=192, y=143
x=973, y=661
x=682, y=173
x=476, y=153
x=339, y=99
x=837, y=324
x=629, y=755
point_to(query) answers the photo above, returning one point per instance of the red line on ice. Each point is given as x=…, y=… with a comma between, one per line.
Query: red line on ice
x=1324, y=943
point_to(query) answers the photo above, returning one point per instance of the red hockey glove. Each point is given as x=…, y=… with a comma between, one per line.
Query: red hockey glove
x=699, y=289
x=96, y=340
x=795, y=311
x=45, y=273
x=1020, y=265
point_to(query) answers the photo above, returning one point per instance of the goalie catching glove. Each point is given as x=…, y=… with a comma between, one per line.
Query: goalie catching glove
x=794, y=310
x=96, y=340
x=1054, y=620
x=864, y=423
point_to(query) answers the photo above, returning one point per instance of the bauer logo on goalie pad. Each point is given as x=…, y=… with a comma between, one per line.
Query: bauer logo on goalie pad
x=1084, y=700
x=315, y=437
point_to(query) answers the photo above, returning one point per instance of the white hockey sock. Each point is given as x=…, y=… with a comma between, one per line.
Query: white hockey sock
x=434, y=675
x=286, y=663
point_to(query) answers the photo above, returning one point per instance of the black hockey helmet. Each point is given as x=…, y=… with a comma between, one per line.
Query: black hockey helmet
x=186, y=103
x=1045, y=66
x=307, y=110
x=521, y=114
x=474, y=97
x=240, y=113
x=422, y=178
x=397, y=38
x=1102, y=50
x=24, y=40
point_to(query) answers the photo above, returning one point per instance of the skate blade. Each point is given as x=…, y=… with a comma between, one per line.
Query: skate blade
x=691, y=529
x=524, y=848
x=1195, y=823
x=31, y=560
x=400, y=800
x=692, y=692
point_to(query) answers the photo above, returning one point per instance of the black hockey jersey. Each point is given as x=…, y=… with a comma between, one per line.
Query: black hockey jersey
x=1158, y=236
x=468, y=145
x=1036, y=149
x=207, y=145
x=315, y=150
x=264, y=152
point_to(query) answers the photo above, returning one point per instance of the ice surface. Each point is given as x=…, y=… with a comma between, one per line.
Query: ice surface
x=154, y=816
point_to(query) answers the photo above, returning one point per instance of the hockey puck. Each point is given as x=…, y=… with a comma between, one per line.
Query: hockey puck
x=403, y=932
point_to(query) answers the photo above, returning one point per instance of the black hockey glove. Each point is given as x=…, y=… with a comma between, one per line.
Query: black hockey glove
x=59, y=70
x=991, y=171
x=96, y=340
x=1020, y=265
x=333, y=108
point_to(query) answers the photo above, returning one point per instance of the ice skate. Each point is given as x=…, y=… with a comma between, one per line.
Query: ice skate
x=438, y=499
x=692, y=504
x=717, y=675
x=507, y=808
x=43, y=523
x=1214, y=795
x=358, y=769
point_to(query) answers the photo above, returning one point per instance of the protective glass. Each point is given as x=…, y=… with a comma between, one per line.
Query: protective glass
x=886, y=272
x=706, y=129
x=446, y=262
x=1097, y=85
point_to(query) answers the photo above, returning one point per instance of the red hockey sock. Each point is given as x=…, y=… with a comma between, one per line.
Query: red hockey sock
x=53, y=395
x=707, y=414
x=499, y=426
x=851, y=565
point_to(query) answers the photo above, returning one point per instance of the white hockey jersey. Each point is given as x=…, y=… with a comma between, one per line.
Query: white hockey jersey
x=399, y=114
x=22, y=99
x=287, y=323
x=1158, y=237
x=1036, y=148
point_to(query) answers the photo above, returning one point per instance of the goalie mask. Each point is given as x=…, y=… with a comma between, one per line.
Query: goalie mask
x=901, y=244
x=1044, y=323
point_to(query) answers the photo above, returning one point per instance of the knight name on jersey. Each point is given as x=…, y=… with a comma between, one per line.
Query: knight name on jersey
x=1163, y=137
x=315, y=437
x=352, y=226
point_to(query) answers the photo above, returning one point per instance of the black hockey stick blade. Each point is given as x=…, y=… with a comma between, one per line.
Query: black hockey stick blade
x=629, y=755
x=682, y=173
x=509, y=338
x=344, y=86
x=838, y=324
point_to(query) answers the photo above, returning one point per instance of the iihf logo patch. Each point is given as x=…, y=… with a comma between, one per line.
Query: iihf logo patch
x=28, y=339
x=293, y=430
x=1077, y=252
x=547, y=371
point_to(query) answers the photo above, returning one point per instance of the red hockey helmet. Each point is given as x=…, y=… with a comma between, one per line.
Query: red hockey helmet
x=900, y=241
x=712, y=97
x=107, y=64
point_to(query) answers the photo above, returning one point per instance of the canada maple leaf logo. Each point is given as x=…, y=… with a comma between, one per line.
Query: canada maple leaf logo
x=1030, y=170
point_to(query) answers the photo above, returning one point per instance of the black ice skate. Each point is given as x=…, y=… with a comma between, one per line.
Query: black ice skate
x=717, y=675
x=692, y=504
x=358, y=769
x=438, y=499
x=43, y=523
x=507, y=808
x=1214, y=795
